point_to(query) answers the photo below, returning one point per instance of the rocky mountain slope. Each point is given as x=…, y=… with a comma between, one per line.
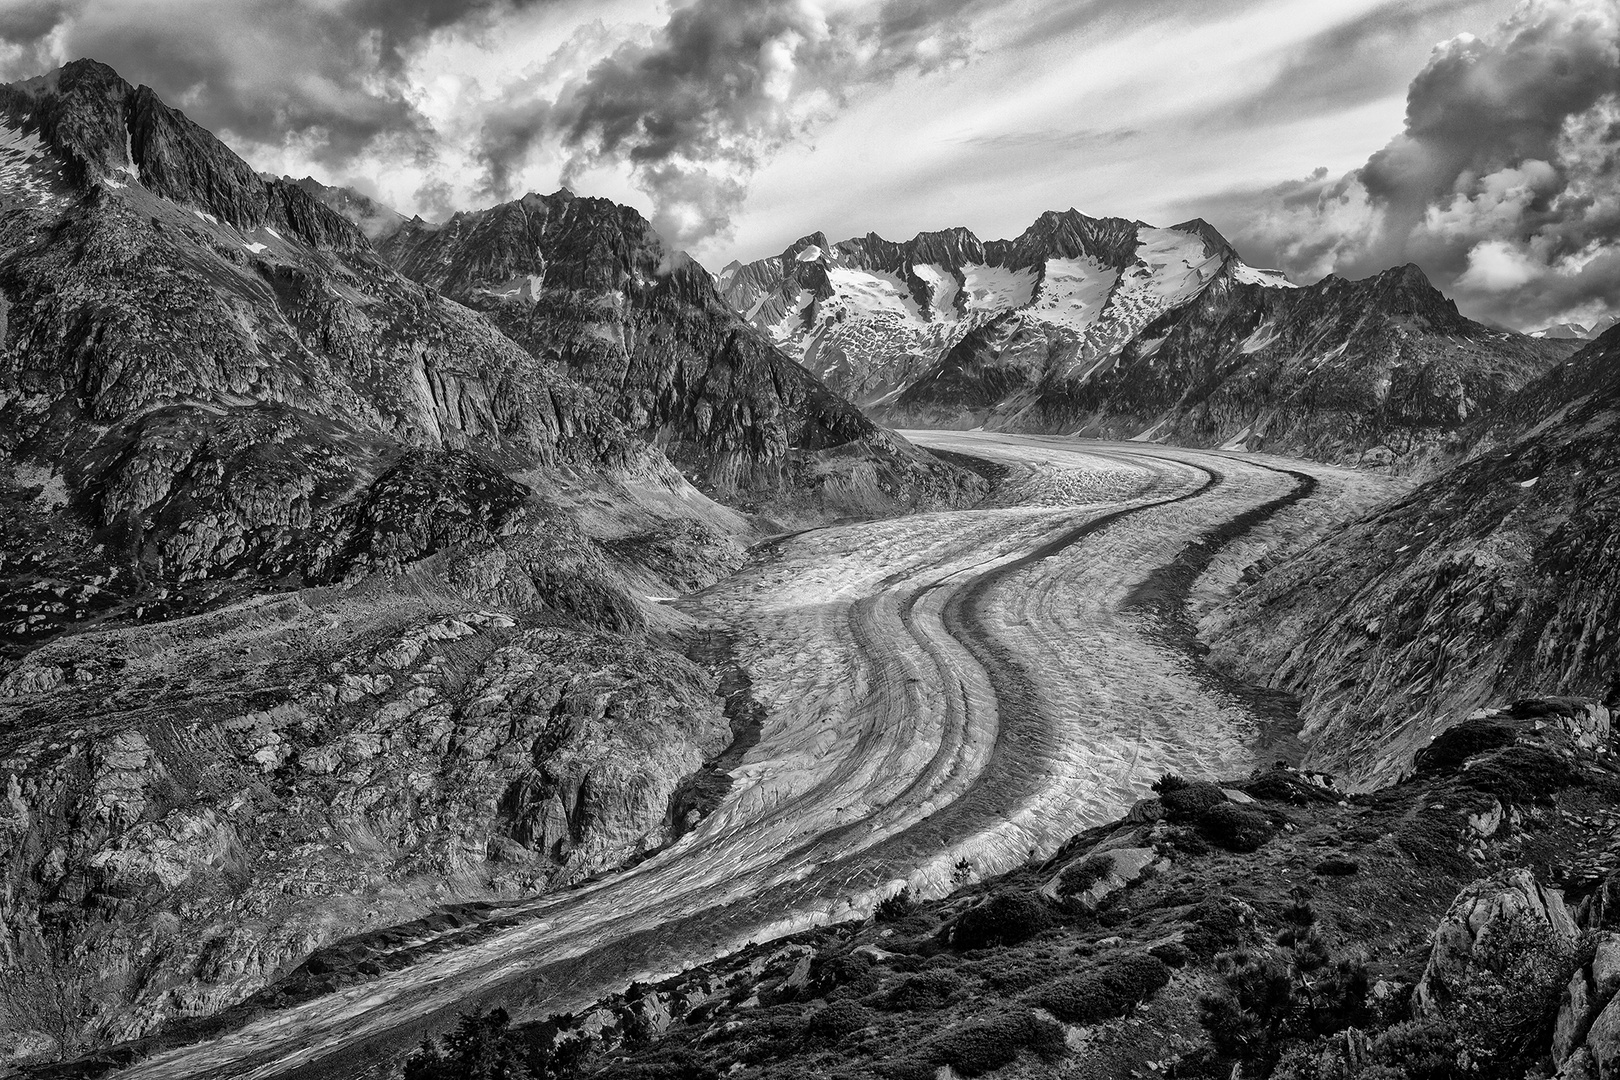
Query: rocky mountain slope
x=1500, y=572
x=1112, y=328
x=586, y=284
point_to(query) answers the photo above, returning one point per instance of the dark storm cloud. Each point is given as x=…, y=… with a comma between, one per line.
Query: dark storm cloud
x=26, y=22
x=721, y=86
x=1503, y=186
x=259, y=70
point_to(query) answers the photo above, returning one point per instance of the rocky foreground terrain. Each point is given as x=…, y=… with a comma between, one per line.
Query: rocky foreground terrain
x=1460, y=923
x=1112, y=328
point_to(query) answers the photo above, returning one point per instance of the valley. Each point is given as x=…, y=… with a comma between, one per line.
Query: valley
x=946, y=696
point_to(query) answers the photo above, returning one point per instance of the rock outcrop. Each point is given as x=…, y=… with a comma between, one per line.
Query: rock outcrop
x=1483, y=909
x=186, y=822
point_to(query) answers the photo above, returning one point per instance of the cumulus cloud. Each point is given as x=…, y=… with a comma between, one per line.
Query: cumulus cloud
x=726, y=83
x=1504, y=184
x=691, y=105
x=329, y=73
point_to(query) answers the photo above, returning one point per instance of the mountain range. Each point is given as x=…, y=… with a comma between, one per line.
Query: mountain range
x=1112, y=328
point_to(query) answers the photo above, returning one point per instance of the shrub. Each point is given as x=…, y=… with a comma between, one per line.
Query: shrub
x=828, y=973
x=1218, y=923
x=1235, y=828
x=1521, y=774
x=1448, y=751
x=484, y=1046
x=1282, y=785
x=1334, y=866
x=1503, y=1009
x=1107, y=992
x=925, y=991
x=1185, y=803
x=1168, y=782
x=977, y=1048
x=1013, y=972
x=1084, y=874
x=1005, y=919
x=894, y=908
x=1172, y=953
x=837, y=1019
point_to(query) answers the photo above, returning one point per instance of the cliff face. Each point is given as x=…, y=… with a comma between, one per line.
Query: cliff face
x=1502, y=572
x=587, y=284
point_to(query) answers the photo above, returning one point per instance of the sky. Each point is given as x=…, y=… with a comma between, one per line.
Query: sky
x=1479, y=139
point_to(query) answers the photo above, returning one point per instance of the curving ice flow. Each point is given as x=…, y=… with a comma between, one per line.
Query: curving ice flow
x=973, y=685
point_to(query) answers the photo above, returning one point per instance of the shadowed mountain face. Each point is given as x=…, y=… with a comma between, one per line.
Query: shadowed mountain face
x=587, y=285
x=1499, y=576
x=1112, y=328
x=205, y=374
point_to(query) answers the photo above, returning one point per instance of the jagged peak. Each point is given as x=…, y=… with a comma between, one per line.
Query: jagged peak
x=1214, y=242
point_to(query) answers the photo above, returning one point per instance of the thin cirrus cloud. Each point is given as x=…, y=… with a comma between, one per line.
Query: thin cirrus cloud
x=741, y=124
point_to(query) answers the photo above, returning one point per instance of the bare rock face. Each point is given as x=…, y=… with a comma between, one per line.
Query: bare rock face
x=1498, y=576
x=210, y=383
x=1476, y=913
x=180, y=831
x=587, y=284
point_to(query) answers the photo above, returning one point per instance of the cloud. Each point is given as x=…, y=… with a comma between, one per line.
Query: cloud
x=1504, y=184
x=695, y=111
x=1352, y=63
x=325, y=73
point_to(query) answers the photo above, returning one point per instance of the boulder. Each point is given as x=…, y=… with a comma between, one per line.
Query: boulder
x=1476, y=910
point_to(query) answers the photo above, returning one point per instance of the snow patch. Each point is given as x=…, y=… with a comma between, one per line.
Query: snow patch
x=1530, y=483
x=203, y=215
x=1263, y=336
x=1253, y=275
x=255, y=247
x=1074, y=292
x=273, y=232
x=26, y=169
x=810, y=254
x=873, y=293
x=994, y=289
